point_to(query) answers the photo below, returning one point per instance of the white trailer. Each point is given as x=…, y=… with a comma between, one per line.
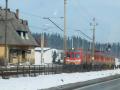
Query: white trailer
x=47, y=55
x=117, y=62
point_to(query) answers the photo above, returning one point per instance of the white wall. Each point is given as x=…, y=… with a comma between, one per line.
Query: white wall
x=117, y=61
x=47, y=55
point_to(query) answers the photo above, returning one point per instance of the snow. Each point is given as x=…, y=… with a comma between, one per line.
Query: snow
x=46, y=81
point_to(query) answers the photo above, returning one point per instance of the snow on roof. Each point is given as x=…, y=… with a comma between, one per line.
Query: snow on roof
x=39, y=48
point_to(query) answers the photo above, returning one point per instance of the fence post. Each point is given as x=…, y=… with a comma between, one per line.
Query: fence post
x=39, y=69
x=52, y=69
x=48, y=69
x=23, y=71
x=29, y=70
x=17, y=70
x=44, y=70
x=55, y=69
x=2, y=73
x=6, y=72
x=34, y=71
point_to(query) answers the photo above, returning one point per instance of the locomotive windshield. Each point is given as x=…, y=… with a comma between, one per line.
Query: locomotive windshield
x=73, y=55
x=68, y=55
x=77, y=55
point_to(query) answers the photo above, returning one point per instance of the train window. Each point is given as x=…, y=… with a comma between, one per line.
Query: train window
x=68, y=55
x=77, y=55
x=72, y=55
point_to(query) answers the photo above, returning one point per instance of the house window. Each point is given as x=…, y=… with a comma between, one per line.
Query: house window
x=14, y=52
x=28, y=51
x=19, y=33
x=23, y=54
x=26, y=35
x=23, y=34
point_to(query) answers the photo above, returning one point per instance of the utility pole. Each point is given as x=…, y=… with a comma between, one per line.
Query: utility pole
x=94, y=24
x=65, y=26
x=42, y=48
x=6, y=9
x=72, y=42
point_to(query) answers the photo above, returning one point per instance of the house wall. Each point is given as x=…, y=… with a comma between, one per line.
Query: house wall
x=2, y=51
x=18, y=58
x=31, y=56
x=3, y=61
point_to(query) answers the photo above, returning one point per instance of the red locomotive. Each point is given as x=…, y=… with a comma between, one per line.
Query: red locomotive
x=80, y=57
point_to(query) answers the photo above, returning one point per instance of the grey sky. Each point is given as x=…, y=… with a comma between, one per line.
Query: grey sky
x=79, y=13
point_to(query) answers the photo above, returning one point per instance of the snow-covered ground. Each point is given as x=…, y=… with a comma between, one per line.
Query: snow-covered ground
x=46, y=81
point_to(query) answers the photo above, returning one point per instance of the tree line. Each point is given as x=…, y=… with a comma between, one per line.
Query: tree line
x=56, y=41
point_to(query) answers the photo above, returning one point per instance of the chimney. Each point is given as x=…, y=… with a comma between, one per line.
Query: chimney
x=17, y=13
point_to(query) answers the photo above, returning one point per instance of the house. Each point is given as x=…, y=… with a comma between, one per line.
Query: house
x=16, y=42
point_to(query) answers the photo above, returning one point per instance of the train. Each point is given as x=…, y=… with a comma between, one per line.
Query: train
x=83, y=58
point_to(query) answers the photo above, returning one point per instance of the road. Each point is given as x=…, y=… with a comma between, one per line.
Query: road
x=108, y=85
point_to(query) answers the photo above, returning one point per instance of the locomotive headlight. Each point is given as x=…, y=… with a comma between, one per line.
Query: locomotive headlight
x=92, y=58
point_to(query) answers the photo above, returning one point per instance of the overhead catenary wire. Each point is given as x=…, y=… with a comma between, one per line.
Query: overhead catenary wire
x=85, y=35
x=54, y=23
x=49, y=18
x=40, y=17
x=37, y=27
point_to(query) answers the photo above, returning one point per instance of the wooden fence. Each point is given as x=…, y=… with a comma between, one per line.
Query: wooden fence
x=30, y=70
x=34, y=70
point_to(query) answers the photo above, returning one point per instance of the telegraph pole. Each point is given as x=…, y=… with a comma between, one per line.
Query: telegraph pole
x=42, y=48
x=6, y=8
x=94, y=24
x=65, y=26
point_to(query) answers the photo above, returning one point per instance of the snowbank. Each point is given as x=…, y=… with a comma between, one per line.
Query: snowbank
x=46, y=81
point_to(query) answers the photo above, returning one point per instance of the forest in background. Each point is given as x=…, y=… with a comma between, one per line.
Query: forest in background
x=56, y=41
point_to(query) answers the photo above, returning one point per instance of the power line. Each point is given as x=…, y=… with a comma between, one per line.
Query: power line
x=85, y=35
x=38, y=16
x=40, y=28
x=30, y=14
x=54, y=23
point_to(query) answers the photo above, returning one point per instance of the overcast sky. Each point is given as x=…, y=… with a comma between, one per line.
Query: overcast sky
x=79, y=15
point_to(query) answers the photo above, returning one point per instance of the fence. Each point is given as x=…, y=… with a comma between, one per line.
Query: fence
x=34, y=70
x=31, y=70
